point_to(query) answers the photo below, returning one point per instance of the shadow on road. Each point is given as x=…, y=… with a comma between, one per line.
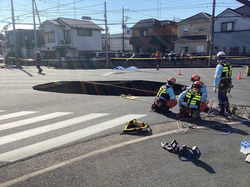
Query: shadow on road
x=26, y=72
x=203, y=165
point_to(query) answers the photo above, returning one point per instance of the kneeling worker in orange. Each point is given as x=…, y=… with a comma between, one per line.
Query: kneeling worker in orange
x=192, y=102
x=165, y=98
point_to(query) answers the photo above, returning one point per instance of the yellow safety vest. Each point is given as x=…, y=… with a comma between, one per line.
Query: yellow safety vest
x=193, y=97
x=227, y=70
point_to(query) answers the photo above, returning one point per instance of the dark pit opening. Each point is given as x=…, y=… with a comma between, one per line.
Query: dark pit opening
x=134, y=87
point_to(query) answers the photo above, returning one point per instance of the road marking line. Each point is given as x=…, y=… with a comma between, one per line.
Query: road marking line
x=2, y=110
x=107, y=74
x=16, y=114
x=79, y=158
x=33, y=149
x=32, y=120
x=47, y=128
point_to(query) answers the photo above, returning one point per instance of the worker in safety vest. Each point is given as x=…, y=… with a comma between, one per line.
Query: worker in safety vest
x=38, y=61
x=203, y=88
x=192, y=101
x=165, y=98
x=158, y=59
x=223, y=82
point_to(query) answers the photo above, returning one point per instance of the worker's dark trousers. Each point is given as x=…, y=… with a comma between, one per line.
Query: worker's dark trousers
x=223, y=100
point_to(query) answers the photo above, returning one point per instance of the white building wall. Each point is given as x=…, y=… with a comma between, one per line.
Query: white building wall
x=240, y=37
x=116, y=43
x=78, y=43
x=240, y=23
x=87, y=43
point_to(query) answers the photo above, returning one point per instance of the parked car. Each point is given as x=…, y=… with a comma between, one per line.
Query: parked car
x=1, y=59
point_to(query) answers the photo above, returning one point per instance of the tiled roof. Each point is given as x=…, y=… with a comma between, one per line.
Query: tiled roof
x=151, y=22
x=146, y=23
x=244, y=10
x=79, y=23
x=74, y=23
x=194, y=37
x=54, y=22
x=167, y=22
x=201, y=17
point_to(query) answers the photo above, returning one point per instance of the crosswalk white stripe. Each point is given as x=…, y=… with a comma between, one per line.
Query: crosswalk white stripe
x=16, y=114
x=32, y=120
x=47, y=128
x=2, y=110
x=30, y=150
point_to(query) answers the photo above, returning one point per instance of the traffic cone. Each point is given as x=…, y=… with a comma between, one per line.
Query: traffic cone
x=48, y=66
x=179, y=72
x=239, y=76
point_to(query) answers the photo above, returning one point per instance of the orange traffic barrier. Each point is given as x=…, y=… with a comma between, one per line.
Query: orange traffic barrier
x=239, y=76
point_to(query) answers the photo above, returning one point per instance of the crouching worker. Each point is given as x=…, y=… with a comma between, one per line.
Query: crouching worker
x=165, y=98
x=192, y=102
x=203, y=88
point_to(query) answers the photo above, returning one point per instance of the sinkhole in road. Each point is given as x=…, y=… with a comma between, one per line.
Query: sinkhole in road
x=115, y=88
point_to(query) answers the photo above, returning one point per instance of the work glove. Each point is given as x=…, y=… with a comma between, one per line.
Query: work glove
x=183, y=88
x=215, y=89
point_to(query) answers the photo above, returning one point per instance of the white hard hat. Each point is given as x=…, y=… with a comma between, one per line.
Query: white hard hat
x=221, y=54
x=38, y=52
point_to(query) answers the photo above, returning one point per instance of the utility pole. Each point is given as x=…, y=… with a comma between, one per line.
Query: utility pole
x=212, y=36
x=106, y=33
x=123, y=29
x=34, y=22
x=14, y=33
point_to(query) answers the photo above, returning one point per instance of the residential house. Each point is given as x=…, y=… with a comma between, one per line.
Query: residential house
x=193, y=34
x=232, y=31
x=151, y=35
x=25, y=42
x=120, y=43
x=69, y=38
x=117, y=41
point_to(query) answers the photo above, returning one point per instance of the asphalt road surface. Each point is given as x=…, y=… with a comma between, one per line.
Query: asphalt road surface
x=56, y=139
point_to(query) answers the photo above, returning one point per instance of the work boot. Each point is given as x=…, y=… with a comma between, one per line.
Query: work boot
x=206, y=110
x=153, y=107
x=180, y=116
x=166, y=110
x=228, y=111
x=222, y=112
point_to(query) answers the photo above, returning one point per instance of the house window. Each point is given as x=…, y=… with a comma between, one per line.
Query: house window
x=184, y=49
x=200, y=49
x=84, y=32
x=234, y=51
x=50, y=37
x=185, y=30
x=67, y=38
x=143, y=33
x=199, y=30
x=227, y=26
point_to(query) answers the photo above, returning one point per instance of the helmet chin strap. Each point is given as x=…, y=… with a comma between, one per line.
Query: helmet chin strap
x=220, y=61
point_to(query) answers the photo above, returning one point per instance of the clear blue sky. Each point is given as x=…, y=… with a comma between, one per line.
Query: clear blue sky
x=135, y=10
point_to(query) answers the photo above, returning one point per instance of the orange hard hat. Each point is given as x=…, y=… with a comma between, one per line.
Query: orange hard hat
x=195, y=77
x=197, y=84
x=171, y=80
